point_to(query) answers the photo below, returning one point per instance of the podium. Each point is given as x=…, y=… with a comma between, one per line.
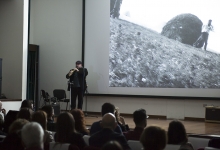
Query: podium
x=212, y=114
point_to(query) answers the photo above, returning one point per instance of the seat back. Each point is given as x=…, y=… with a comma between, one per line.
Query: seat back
x=135, y=145
x=62, y=146
x=59, y=94
x=86, y=139
x=198, y=142
x=172, y=147
x=211, y=148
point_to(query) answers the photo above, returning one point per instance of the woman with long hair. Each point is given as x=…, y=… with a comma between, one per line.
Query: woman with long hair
x=80, y=123
x=65, y=131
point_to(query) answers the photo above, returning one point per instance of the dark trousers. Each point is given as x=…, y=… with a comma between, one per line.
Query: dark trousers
x=76, y=92
x=201, y=40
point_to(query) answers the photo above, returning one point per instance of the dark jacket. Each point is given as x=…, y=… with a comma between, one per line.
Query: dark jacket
x=100, y=138
x=134, y=135
x=78, y=77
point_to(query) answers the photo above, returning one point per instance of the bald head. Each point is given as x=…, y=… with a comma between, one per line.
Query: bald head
x=109, y=121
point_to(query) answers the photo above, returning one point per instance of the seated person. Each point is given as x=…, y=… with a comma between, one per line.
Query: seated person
x=13, y=139
x=50, y=114
x=96, y=126
x=41, y=118
x=121, y=121
x=154, y=138
x=66, y=133
x=107, y=133
x=25, y=113
x=80, y=122
x=177, y=135
x=32, y=135
x=139, y=118
x=27, y=104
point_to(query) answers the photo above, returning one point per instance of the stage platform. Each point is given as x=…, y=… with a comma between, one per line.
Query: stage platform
x=192, y=127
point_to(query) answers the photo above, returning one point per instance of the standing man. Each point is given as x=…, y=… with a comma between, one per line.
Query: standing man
x=204, y=35
x=77, y=81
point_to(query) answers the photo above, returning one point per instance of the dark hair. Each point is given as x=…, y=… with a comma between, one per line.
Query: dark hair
x=17, y=125
x=139, y=116
x=154, y=138
x=25, y=113
x=48, y=109
x=78, y=62
x=26, y=104
x=80, y=124
x=112, y=145
x=177, y=133
x=108, y=108
x=41, y=118
x=65, y=126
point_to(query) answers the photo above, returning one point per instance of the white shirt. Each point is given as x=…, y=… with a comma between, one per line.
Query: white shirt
x=206, y=28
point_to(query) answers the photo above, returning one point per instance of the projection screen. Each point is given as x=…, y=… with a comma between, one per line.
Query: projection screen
x=152, y=47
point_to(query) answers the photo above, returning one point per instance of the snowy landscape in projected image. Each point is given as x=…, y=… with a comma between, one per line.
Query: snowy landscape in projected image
x=162, y=43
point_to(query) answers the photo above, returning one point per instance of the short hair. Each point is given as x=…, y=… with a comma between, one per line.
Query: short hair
x=41, y=118
x=108, y=108
x=177, y=133
x=17, y=125
x=25, y=113
x=48, y=109
x=139, y=116
x=32, y=135
x=112, y=145
x=65, y=126
x=154, y=138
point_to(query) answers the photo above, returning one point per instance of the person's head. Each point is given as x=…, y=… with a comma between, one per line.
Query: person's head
x=26, y=104
x=80, y=124
x=65, y=126
x=176, y=133
x=32, y=135
x=78, y=64
x=210, y=22
x=25, y=113
x=140, y=118
x=49, y=110
x=41, y=118
x=112, y=145
x=108, y=108
x=154, y=138
x=109, y=121
x=17, y=125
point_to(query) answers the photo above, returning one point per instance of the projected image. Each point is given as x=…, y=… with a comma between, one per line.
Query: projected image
x=164, y=43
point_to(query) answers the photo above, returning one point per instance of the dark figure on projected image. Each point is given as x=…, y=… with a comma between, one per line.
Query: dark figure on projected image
x=115, y=8
x=77, y=84
x=203, y=39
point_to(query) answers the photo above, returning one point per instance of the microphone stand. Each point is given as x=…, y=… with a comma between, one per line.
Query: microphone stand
x=86, y=114
x=70, y=83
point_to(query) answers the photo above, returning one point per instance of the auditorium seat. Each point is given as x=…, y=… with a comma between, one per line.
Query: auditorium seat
x=211, y=148
x=172, y=147
x=2, y=137
x=198, y=142
x=86, y=139
x=135, y=145
x=63, y=146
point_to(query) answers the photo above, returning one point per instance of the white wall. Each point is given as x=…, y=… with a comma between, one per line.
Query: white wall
x=172, y=108
x=13, y=47
x=56, y=26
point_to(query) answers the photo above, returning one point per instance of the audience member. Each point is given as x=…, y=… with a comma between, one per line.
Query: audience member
x=107, y=134
x=50, y=120
x=140, y=120
x=13, y=139
x=66, y=133
x=154, y=138
x=2, y=117
x=32, y=135
x=41, y=118
x=96, y=126
x=27, y=104
x=80, y=123
x=121, y=121
x=25, y=113
x=112, y=145
x=177, y=135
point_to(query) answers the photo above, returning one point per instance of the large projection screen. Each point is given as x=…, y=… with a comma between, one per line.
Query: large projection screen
x=99, y=56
